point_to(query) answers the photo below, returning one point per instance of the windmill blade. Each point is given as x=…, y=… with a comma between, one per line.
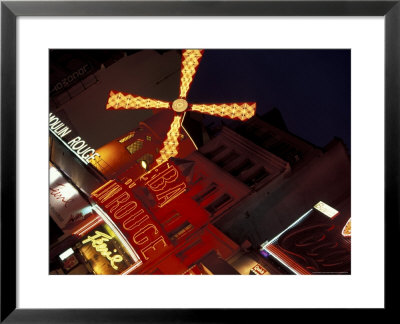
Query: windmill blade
x=120, y=100
x=241, y=111
x=170, y=145
x=190, y=63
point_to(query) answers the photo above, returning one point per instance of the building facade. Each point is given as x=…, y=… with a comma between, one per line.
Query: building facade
x=213, y=209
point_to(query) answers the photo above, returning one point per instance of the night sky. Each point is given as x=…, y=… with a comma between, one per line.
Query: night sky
x=311, y=88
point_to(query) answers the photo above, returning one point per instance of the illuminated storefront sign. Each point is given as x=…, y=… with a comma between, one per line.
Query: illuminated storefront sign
x=98, y=242
x=66, y=254
x=326, y=210
x=70, y=262
x=258, y=270
x=132, y=218
x=162, y=184
x=165, y=183
x=75, y=143
x=66, y=204
x=104, y=252
x=314, y=244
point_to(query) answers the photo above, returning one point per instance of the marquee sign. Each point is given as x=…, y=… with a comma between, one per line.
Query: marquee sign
x=98, y=241
x=75, y=143
x=103, y=250
x=120, y=201
x=163, y=183
x=133, y=219
x=314, y=244
x=65, y=203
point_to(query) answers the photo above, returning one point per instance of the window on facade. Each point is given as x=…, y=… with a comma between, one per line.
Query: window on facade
x=292, y=156
x=171, y=219
x=148, y=138
x=243, y=166
x=219, y=203
x=214, y=152
x=182, y=255
x=230, y=157
x=126, y=138
x=197, y=178
x=205, y=193
x=256, y=177
x=135, y=146
x=180, y=231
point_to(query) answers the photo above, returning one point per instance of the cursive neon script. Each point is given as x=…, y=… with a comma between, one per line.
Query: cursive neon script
x=59, y=196
x=98, y=243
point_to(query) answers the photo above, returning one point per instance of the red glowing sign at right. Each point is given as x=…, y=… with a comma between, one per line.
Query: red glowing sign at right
x=314, y=244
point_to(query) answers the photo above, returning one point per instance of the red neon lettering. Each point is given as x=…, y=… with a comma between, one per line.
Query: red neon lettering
x=153, y=247
x=124, y=197
x=135, y=222
x=58, y=195
x=124, y=211
x=169, y=195
x=141, y=231
x=107, y=193
x=159, y=182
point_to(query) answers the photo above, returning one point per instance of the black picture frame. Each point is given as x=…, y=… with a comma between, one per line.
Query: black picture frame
x=10, y=10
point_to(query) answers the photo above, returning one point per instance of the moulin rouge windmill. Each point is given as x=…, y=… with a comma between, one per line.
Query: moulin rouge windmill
x=118, y=100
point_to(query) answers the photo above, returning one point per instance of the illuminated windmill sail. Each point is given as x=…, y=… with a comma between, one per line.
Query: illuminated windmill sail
x=190, y=62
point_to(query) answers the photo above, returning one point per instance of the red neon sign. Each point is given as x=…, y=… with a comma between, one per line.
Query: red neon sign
x=129, y=214
x=165, y=183
x=119, y=200
x=258, y=270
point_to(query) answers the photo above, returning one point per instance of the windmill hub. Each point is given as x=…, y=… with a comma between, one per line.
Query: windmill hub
x=179, y=105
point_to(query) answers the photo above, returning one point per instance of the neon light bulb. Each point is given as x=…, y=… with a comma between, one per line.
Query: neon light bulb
x=326, y=209
x=143, y=164
x=66, y=254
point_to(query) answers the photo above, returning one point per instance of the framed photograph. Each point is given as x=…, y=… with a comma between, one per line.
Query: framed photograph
x=212, y=139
